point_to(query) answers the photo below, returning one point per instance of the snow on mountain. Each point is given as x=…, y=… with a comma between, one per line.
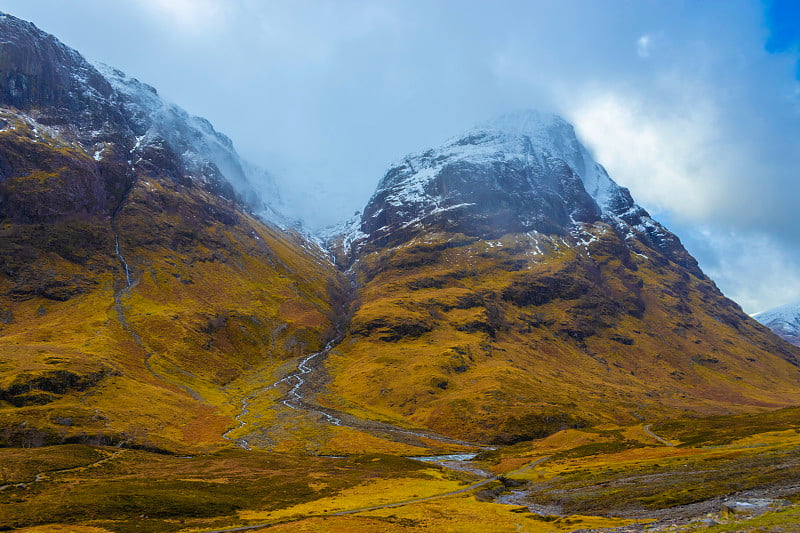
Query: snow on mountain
x=784, y=321
x=119, y=119
x=519, y=172
x=200, y=146
x=554, y=136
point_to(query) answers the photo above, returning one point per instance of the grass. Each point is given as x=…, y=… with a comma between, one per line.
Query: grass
x=587, y=475
x=19, y=465
x=780, y=520
x=218, y=303
x=650, y=478
x=495, y=343
x=453, y=515
x=167, y=490
x=722, y=430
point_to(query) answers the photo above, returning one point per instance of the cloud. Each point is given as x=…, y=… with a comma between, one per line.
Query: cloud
x=663, y=155
x=643, y=45
x=193, y=17
x=756, y=270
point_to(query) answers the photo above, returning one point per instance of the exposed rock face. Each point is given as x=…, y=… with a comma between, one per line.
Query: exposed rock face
x=36, y=70
x=784, y=321
x=52, y=92
x=486, y=183
x=45, y=387
x=521, y=172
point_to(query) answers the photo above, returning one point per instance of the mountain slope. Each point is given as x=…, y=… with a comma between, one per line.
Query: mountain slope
x=508, y=287
x=138, y=294
x=784, y=321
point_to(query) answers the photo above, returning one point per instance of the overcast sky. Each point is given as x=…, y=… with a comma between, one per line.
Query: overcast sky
x=695, y=106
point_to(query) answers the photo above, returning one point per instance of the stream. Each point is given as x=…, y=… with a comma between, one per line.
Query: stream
x=294, y=397
x=297, y=400
x=455, y=461
x=122, y=260
x=292, y=400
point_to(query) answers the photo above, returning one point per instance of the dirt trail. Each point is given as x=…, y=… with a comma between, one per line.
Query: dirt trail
x=45, y=475
x=659, y=439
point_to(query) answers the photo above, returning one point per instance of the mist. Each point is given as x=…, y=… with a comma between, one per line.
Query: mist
x=693, y=106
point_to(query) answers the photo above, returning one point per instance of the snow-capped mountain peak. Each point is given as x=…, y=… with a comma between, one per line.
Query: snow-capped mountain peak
x=194, y=138
x=556, y=137
x=520, y=172
x=123, y=123
x=784, y=321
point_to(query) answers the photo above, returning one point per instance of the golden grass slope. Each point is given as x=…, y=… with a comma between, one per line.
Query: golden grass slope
x=216, y=296
x=515, y=338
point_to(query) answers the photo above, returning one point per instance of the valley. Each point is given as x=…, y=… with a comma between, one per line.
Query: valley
x=502, y=340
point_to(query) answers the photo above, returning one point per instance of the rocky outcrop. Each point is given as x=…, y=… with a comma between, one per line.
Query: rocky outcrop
x=111, y=130
x=44, y=387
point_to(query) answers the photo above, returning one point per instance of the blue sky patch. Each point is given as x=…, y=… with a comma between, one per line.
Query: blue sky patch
x=783, y=21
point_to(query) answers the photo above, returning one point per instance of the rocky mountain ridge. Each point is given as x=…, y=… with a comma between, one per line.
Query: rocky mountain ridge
x=139, y=292
x=521, y=172
x=505, y=267
x=122, y=123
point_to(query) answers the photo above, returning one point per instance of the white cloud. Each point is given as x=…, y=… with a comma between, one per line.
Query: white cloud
x=193, y=17
x=643, y=45
x=752, y=268
x=663, y=155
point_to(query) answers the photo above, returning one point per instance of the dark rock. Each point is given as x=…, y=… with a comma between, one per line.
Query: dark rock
x=45, y=387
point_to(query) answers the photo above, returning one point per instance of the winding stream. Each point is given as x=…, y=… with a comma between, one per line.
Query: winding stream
x=297, y=400
x=294, y=397
x=122, y=260
x=292, y=400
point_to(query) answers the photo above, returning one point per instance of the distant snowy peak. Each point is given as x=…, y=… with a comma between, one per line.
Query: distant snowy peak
x=523, y=171
x=784, y=321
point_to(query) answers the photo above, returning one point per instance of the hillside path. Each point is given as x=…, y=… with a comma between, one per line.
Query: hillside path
x=659, y=439
x=45, y=475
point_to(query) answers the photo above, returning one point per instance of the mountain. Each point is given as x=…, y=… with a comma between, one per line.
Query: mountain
x=139, y=292
x=175, y=356
x=118, y=119
x=784, y=321
x=507, y=287
x=518, y=173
